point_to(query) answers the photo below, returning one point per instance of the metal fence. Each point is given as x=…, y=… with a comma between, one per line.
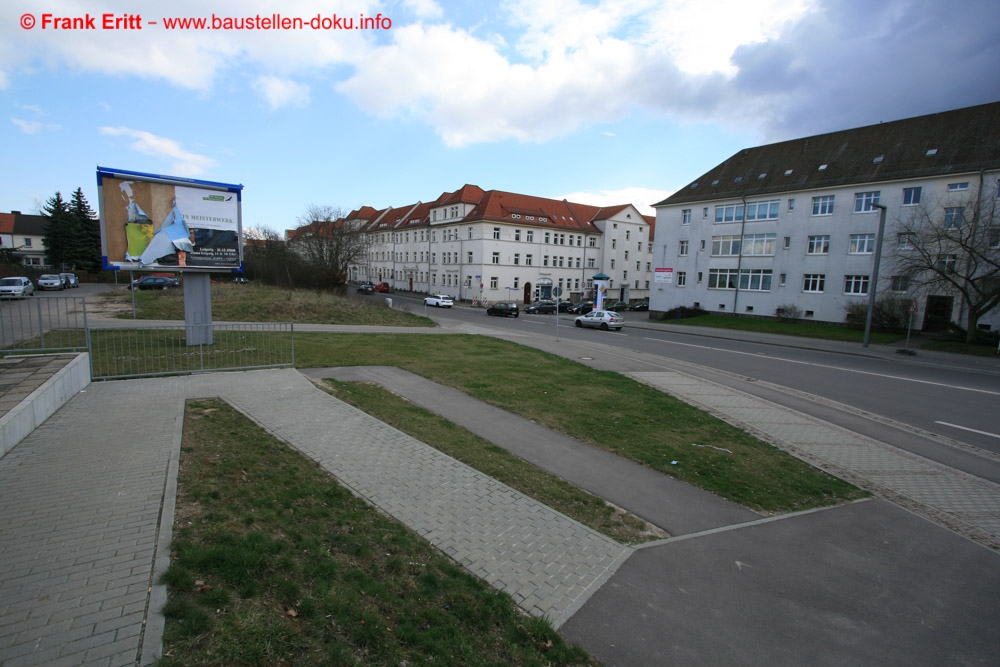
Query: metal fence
x=51, y=323
x=59, y=324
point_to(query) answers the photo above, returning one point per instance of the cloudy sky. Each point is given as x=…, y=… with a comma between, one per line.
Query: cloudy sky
x=599, y=101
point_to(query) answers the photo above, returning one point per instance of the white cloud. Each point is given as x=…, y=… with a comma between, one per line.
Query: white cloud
x=642, y=198
x=27, y=126
x=424, y=9
x=184, y=162
x=281, y=92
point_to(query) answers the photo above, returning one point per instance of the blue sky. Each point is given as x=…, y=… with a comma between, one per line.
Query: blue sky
x=600, y=102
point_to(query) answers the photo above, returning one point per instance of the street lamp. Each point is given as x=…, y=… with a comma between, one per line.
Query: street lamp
x=873, y=283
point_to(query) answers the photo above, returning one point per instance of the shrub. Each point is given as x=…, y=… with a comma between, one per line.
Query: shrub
x=788, y=312
x=891, y=313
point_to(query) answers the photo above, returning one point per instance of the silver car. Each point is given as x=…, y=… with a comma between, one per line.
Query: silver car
x=17, y=287
x=50, y=281
x=601, y=319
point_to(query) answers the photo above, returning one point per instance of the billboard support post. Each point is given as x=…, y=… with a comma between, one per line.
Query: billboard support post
x=198, y=309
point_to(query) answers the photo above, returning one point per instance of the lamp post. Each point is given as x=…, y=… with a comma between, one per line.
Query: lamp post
x=873, y=284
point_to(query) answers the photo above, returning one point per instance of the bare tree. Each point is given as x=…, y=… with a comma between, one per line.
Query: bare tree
x=329, y=244
x=268, y=258
x=953, y=246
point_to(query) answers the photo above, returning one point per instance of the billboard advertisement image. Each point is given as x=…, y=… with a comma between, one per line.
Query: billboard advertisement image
x=151, y=222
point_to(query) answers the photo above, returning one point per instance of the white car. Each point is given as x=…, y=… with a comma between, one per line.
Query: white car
x=50, y=281
x=601, y=319
x=17, y=287
x=439, y=300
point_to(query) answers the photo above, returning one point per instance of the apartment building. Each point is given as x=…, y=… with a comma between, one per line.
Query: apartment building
x=796, y=223
x=488, y=244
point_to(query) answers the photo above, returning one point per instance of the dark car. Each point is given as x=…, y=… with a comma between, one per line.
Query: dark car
x=640, y=306
x=503, y=309
x=617, y=306
x=154, y=282
x=581, y=308
x=366, y=288
x=541, y=307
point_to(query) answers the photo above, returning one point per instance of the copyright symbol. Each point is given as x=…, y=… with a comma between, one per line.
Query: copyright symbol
x=27, y=21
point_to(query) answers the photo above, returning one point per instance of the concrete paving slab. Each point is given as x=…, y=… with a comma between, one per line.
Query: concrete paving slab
x=862, y=584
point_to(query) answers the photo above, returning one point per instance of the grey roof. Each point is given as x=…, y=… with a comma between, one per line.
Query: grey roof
x=29, y=225
x=960, y=141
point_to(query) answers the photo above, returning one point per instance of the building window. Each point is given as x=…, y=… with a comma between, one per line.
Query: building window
x=614, y=243
x=900, y=283
x=469, y=257
x=823, y=205
x=791, y=204
x=724, y=246
x=946, y=263
x=782, y=277
x=496, y=233
x=682, y=278
x=517, y=258
x=528, y=260
x=545, y=260
x=813, y=282
x=865, y=201
x=911, y=196
x=590, y=263
x=862, y=244
x=763, y=210
x=954, y=217
x=686, y=216
x=788, y=242
x=517, y=282
x=494, y=282
x=819, y=245
x=27, y=242
x=496, y=258
x=529, y=236
x=755, y=280
x=612, y=264
x=958, y=187
x=722, y=278
x=592, y=242
x=759, y=244
x=730, y=213
x=517, y=234
x=857, y=285
x=547, y=237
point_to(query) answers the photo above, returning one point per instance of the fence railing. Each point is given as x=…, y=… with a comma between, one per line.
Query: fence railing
x=51, y=323
x=59, y=324
x=128, y=353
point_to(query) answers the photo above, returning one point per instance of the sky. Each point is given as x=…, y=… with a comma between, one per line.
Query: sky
x=600, y=101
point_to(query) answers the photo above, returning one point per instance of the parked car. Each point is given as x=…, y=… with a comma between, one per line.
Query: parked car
x=581, y=308
x=617, y=306
x=153, y=282
x=70, y=280
x=241, y=280
x=50, y=281
x=541, y=307
x=383, y=287
x=17, y=287
x=564, y=306
x=503, y=309
x=601, y=319
x=439, y=300
x=366, y=288
x=640, y=306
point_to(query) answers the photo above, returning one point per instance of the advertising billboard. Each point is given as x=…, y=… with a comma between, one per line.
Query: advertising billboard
x=152, y=223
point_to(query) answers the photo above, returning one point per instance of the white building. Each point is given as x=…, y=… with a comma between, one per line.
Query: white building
x=502, y=246
x=795, y=223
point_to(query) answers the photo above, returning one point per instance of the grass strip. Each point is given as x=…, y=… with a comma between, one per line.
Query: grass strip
x=273, y=562
x=603, y=408
x=496, y=462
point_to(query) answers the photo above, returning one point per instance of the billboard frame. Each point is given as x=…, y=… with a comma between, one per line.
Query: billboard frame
x=115, y=244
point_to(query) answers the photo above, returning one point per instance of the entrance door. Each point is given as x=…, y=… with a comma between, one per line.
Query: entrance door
x=937, y=314
x=527, y=294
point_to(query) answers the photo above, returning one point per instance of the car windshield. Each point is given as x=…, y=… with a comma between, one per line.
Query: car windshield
x=49, y=277
x=10, y=281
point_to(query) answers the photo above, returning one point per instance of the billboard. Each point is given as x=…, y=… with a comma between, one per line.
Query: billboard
x=152, y=223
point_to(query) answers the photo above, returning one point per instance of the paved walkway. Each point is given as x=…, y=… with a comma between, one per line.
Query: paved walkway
x=86, y=506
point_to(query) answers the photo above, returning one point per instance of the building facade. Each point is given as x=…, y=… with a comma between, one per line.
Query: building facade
x=25, y=235
x=793, y=226
x=501, y=246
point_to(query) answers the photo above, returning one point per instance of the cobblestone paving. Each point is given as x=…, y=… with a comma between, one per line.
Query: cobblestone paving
x=960, y=501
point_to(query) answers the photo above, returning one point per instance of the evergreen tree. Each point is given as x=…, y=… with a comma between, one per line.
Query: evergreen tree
x=86, y=236
x=58, y=230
